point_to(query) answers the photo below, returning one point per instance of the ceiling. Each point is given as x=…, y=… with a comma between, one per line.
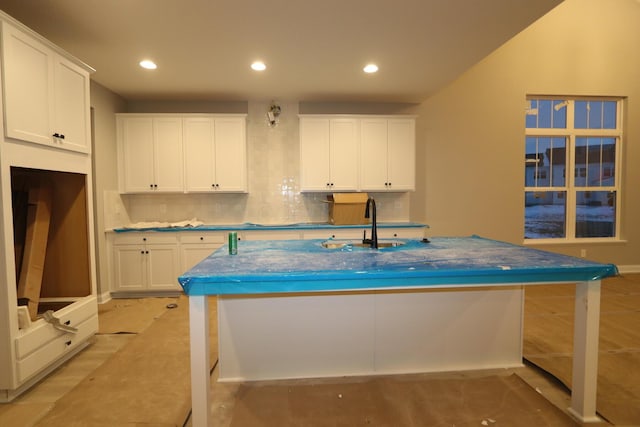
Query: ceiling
x=314, y=50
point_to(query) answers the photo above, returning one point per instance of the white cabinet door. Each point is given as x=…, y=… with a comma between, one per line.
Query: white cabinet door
x=162, y=267
x=46, y=95
x=344, y=154
x=314, y=155
x=230, y=154
x=373, y=155
x=328, y=154
x=71, y=105
x=387, y=154
x=135, y=144
x=167, y=154
x=129, y=268
x=199, y=152
x=401, y=152
x=27, y=87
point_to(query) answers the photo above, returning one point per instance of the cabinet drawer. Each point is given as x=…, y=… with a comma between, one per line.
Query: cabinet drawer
x=42, y=332
x=271, y=235
x=49, y=352
x=401, y=233
x=144, y=238
x=351, y=233
x=206, y=238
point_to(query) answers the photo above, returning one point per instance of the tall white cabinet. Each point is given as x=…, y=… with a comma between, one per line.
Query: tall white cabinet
x=44, y=143
x=46, y=94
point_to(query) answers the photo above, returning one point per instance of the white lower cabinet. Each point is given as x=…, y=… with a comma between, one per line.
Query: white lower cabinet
x=145, y=262
x=151, y=262
x=196, y=247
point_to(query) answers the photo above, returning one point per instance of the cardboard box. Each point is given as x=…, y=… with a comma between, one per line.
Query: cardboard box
x=347, y=208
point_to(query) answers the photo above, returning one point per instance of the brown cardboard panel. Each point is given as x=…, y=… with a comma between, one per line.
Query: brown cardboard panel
x=35, y=248
x=347, y=208
x=396, y=401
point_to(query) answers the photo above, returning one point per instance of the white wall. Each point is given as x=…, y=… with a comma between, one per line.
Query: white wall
x=470, y=134
x=104, y=105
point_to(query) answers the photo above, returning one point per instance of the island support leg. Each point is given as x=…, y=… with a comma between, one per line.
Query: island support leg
x=200, y=375
x=585, y=351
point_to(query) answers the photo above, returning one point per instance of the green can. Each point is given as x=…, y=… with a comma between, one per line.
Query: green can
x=233, y=243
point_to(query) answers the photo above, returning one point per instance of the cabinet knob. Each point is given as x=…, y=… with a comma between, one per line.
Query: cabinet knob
x=201, y=238
x=68, y=343
x=151, y=186
x=144, y=239
x=155, y=185
x=61, y=136
x=56, y=135
x=146, y=252
x=142, y=252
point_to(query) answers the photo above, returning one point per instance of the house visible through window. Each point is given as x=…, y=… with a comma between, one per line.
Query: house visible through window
x=582, y=137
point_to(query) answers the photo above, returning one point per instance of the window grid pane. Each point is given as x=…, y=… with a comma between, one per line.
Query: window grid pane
x=595, y=213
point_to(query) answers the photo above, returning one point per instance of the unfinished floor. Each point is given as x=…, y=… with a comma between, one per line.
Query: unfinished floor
x=148, y=339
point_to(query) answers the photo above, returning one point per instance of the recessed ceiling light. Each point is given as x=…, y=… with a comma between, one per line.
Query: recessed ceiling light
x=148, y=64
x=370, y=68
x=258, y=66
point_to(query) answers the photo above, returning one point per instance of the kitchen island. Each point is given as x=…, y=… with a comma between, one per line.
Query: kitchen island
x=292, y=309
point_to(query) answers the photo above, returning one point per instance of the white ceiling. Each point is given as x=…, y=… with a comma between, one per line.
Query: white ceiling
x=314, y=50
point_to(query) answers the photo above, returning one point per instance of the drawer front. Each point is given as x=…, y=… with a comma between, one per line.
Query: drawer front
x=400, y=233
x=351, y=233
x=52, y=350
x=144, y=238
x=205, y=238
x=42, y=332
x=271, y=235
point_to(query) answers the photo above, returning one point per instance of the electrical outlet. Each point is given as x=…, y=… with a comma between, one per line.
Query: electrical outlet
x=583, y=253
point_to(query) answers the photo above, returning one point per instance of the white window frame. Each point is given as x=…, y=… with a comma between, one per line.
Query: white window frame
x=570, y=133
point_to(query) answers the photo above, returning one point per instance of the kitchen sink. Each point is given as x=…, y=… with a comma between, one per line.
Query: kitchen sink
x=332, y=244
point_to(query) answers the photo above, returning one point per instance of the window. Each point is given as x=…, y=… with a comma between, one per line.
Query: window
x=572, y=168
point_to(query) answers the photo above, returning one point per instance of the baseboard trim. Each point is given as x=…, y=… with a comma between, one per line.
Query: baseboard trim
x=629, y=269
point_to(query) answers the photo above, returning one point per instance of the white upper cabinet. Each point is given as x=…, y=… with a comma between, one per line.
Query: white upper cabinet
x=46, y=96
x=215, y=154
x=150, y=154
x=175, y=153
x=387, y=154
x=357, y=153
x=328, y=154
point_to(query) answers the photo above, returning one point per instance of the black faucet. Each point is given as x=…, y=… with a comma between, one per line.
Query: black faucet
x=370, y=212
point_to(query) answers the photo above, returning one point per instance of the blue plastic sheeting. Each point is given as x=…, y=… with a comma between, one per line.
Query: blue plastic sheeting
x=266, y=227
x=306, y=266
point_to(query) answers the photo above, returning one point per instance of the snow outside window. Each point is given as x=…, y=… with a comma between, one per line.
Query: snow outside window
x=572, y=168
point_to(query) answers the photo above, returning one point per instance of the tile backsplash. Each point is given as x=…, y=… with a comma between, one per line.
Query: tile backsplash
x=273, y=178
